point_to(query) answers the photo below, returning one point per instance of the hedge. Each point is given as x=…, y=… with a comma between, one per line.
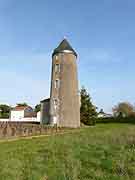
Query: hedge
x=116, y=120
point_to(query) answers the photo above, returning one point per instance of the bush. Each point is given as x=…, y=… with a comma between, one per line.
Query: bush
x=116, y=120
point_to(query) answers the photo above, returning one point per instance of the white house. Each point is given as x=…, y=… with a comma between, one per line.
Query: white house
x=104, y=115
x=38, y=116
x=22, y=113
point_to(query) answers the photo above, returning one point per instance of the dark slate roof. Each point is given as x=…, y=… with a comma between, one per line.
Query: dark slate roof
x=64, y=45
x=44, y=100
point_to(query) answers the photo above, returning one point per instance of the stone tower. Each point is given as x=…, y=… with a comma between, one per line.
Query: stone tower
x=64, y=95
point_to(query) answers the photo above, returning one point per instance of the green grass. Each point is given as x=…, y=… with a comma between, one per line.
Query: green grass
x=103, y=152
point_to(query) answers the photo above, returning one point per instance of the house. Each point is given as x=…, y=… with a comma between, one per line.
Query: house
x=19, y=113
x=38, y=116
x=104, y=115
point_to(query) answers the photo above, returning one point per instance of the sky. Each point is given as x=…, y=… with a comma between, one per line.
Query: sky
x=101, y=31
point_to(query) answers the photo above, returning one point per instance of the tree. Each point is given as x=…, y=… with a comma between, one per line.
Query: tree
x=4, y=111
x=123, y=109
x=37, y=108
x=22, y=104
x=88, y=110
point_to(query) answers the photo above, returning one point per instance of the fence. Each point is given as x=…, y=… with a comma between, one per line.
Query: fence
x=19, y=129
x=32, y=119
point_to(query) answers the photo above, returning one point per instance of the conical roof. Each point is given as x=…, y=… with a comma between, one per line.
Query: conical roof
x=64, y=46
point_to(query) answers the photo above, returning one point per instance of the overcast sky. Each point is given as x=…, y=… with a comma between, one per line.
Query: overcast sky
x=101, y=31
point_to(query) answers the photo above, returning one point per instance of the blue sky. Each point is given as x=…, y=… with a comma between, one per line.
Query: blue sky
x=101, y=31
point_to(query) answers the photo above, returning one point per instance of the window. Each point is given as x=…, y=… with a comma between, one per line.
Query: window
x=55, y=103
x=54, y=120
x=56, y=57
x=57, y=68
x=57, y=83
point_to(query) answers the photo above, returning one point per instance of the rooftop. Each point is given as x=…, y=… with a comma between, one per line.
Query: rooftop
x=20, y=108
x=64, y=45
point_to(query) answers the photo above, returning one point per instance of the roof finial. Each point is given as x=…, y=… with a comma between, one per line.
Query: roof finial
x=65, y=37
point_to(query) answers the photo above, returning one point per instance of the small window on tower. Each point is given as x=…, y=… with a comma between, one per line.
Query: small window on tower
x=56, y=57
x=55, y=103
x=57, y=68
x=57, y=83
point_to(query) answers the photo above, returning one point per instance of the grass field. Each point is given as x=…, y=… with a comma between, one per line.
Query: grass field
x=103, y=152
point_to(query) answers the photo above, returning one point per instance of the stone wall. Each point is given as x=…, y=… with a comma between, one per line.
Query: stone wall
x=18, y=129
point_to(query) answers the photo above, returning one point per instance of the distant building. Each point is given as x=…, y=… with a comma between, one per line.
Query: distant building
x=104, y=115
x=45, y=111
x=38, y=116
x=63, y=107
x=20, y=112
